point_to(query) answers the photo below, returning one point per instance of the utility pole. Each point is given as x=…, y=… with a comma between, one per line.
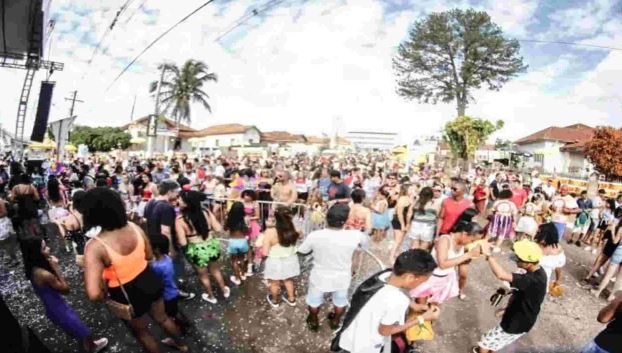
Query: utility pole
x=73, y=100
x=156, y=109
x=132, y=113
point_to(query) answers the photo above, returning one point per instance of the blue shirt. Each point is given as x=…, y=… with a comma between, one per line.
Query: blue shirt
x=164, y=269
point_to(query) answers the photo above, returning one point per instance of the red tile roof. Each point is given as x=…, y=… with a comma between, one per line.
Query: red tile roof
x=281, y=137
x=169, y=123
x=225, y=129
x=576, y=133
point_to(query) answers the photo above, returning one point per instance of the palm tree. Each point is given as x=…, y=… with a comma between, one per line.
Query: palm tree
x=183, y=86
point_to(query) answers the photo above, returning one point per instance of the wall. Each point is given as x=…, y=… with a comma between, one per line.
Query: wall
x=576, y=164
x=252, y=136
x=553, y=159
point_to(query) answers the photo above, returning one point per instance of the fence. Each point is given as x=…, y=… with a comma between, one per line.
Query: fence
x=302, y=213
x=366, y=263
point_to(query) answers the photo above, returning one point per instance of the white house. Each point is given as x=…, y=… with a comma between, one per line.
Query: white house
x=227, y=135
x=373, y=140
x=558, y=149
x=166, y=135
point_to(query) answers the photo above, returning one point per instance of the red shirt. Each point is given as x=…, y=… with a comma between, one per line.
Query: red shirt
x=452, y=210
x=518, y=197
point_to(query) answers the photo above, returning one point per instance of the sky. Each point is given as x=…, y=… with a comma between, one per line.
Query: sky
x=313, y=66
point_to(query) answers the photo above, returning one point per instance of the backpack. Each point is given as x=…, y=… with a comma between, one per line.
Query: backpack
x=363, y=293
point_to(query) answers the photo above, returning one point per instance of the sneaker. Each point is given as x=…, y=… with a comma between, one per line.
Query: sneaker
x=186, y=295
x=462, y=297
x=286, y=300
x=272, y=304
x=206, y=298
x=169, y=342
x=226, y=292
x=585, y=284
x=235, y=280
x=100, y=344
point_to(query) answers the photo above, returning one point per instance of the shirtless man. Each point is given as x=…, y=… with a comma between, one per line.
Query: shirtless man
x=284, y=190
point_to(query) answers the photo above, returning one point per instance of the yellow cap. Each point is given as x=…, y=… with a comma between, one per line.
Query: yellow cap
x=528, y=251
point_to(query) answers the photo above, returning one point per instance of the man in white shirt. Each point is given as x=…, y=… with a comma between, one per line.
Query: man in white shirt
x=332, y=250
x=548, y=189
x=384, y=314
x=565, y=210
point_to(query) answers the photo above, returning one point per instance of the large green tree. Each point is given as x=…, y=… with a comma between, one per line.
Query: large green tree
x=100, y=139
x=465, y=134
x=448, y=55
x=183, y=86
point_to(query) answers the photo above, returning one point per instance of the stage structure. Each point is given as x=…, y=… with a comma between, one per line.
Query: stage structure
x=24, y=33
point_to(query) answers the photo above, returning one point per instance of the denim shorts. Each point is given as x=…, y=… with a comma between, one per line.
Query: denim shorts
x=237, y=246
x=592, y=347
x=315, y=298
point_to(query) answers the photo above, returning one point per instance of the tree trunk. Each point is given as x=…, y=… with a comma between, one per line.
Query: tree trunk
x=461, y=105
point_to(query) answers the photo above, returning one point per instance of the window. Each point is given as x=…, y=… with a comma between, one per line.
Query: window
x=538, y=158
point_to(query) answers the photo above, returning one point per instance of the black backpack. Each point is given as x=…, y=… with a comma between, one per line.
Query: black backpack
x=363, y=293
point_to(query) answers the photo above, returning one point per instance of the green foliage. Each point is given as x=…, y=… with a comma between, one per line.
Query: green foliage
x=465, y=134
x=100, y=139
x=503, y=144
x=183, y=86
x=449, y=54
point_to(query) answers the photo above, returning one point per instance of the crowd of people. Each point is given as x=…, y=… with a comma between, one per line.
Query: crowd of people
x=137, y=226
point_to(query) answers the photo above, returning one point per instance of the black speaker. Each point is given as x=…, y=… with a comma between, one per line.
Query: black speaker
x=43, y=111
x=177, y=144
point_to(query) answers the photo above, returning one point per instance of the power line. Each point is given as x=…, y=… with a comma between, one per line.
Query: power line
x=254, y=12
x=568, y=43
x=110, y=27
x=157, y=39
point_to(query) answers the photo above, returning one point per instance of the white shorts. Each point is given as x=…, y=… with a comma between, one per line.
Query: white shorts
x=496, y=339
x=423, y=231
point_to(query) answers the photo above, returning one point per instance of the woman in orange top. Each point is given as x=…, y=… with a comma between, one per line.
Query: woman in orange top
x=119, y=255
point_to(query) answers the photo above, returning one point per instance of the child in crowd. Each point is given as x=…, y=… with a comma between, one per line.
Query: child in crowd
x=163, y=268
x=238, y=243
x=527, y=225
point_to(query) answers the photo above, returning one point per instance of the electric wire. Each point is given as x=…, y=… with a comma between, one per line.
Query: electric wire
x=156, y=40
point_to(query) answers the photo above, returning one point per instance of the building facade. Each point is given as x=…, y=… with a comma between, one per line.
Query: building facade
x=558, y=150
x=372, y=140
x=227, y=135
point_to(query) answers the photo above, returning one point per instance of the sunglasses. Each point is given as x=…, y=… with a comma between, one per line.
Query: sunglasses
x=454, y=189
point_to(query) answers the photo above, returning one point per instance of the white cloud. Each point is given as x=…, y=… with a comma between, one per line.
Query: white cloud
x=299, y=69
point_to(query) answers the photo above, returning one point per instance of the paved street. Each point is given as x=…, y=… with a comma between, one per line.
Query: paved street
x=247, y=324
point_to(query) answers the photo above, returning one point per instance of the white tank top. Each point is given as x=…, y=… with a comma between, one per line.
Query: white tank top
x=452, y=253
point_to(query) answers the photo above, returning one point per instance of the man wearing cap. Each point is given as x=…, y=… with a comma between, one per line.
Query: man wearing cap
x=528, y=292
x=565, y=210
x=332, y=250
